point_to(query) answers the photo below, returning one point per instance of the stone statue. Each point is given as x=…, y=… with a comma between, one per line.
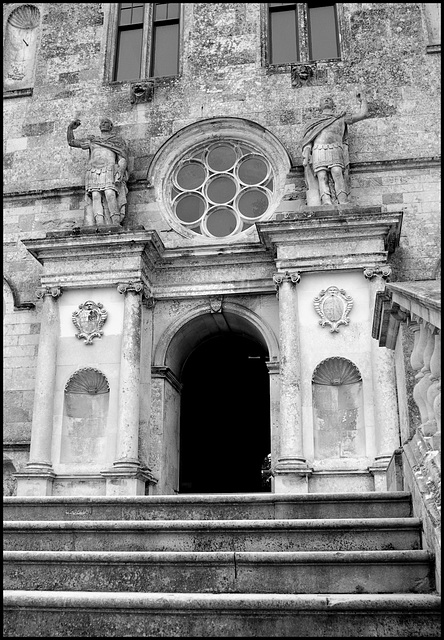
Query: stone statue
x=325, y=152
x=106, y=175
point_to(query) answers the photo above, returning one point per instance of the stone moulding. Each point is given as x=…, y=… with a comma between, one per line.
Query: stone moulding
x=334, y=306
x=89, y=320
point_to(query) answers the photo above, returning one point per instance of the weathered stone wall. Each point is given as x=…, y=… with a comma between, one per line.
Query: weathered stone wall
x=223, y=73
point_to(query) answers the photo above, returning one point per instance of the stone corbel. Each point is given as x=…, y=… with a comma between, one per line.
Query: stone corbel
x=141, y=91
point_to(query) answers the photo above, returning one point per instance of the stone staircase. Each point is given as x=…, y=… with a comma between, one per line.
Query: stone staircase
x=267, y=565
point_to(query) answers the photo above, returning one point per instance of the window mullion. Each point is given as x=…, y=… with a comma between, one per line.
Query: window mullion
x=146, y=37
x=302, y=20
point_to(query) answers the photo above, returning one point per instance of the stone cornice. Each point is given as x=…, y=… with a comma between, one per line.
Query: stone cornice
x=330, y=238
x=112, y=257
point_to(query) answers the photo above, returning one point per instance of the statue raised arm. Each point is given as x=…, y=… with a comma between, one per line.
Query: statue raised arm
x=324, y=149
x=106, y=174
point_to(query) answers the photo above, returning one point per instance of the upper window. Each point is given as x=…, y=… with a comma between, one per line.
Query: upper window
x=147, y=40
x=302, y=32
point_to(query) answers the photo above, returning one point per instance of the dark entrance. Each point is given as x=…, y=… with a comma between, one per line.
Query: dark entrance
x=225, y=417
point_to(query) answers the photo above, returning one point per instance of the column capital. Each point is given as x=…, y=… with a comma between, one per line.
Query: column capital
x=280, y=278
x=137, y=287
x=54, y=292
x=384, y=272
x=126, y=287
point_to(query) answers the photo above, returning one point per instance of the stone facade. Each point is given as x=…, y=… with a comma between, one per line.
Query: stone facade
x=168, y=289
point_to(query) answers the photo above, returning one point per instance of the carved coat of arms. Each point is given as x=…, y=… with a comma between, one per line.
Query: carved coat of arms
x=89, y=320
x=333, y=305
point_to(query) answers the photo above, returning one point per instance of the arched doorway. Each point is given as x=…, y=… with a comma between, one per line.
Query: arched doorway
x=225, y=416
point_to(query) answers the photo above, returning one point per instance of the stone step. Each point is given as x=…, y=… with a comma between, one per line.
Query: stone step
x=211, y=535
x=80, y=614
x=221, y=572
x=210, y=507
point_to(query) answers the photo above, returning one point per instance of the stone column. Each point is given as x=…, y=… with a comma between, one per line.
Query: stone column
x=291, y=471
x=387, y=432
x=38, y=477
x=127, y=477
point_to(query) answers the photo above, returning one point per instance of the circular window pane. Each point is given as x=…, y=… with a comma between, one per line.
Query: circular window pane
x=253, y=203
x=221, y=222
x=190, y=208
x=252, y=170
x=191, y=176
x=221, y=157
x=221, y=189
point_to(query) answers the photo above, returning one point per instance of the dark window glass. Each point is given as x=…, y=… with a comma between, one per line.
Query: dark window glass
x=190, y=208
x=252, y=170
x=322, y=32
x=166, y=50
x=129, y=55
x=129, y=41
x=221, y=190
x=283, y=34
x=221, y=223
x=191, y=176
x=253, y=203
x=160, y=10
x=221, y=158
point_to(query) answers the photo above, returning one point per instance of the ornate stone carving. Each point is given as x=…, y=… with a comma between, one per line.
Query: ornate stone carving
x=216, y=304
x=54, y=292
x=126, y=287
x=106, y=174
x=302, y=75
x=141, y=91
x=385, y=272
x=279, y=278
x=333, y=305
x=336, y=371
x=325, y=155
x=89, y=320
x=87, y=380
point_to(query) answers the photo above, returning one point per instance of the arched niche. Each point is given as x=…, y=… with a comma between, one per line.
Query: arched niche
x=338, y=410
x=85, y=417
x=20, y=47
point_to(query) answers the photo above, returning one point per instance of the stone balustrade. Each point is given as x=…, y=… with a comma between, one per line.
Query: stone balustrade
x=415, y=307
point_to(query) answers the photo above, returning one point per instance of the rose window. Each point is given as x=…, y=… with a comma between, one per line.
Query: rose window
x=221, y=189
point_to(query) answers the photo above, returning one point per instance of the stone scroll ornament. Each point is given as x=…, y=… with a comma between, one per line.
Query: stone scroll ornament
x=89, y=320
x=333, y=305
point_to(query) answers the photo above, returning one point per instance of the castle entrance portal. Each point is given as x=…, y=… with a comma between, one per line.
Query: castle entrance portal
x=225, y=416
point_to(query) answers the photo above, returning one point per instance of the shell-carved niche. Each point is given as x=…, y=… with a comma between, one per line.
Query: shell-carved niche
x=89, y=320
x=336, y=371
x=20, y=47
x=85, y=433
x=338, y=410
x=334, y=306
x=87, y=380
